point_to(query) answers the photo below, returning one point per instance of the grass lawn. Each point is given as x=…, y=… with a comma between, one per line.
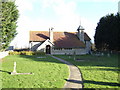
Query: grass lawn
x=97, y=72
x=48, y=72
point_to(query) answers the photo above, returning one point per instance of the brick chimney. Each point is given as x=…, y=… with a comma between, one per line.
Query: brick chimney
x=51, y=34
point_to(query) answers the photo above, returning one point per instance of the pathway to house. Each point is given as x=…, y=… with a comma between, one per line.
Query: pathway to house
x=75, y=79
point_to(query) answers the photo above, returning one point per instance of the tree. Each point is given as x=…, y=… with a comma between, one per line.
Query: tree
x=8, y=17
x=107, y=33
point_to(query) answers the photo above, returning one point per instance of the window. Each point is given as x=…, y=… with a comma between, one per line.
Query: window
x=57, y=48
x=68, y=48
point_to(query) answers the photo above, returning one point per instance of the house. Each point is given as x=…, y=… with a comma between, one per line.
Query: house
x=52, y=42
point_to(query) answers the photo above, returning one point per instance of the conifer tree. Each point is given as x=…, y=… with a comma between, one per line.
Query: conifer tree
x=108, y=33
x=8, y=22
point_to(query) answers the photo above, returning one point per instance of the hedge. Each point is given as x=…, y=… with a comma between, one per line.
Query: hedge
x=26, y=53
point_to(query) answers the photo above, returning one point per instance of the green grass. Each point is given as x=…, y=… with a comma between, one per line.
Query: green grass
x=97, y=72
x=48, y=72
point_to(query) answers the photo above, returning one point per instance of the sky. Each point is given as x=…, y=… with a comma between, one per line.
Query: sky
x=62, y=15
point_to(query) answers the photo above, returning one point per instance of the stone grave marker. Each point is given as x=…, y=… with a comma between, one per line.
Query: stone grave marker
x=102, y=54
x=15, y=72
x=108, y=55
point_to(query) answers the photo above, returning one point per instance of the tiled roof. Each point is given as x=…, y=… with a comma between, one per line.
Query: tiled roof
x=60, y=39
x=38, y=35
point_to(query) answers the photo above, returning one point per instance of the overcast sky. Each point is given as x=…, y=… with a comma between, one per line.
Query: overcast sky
x=63, y=15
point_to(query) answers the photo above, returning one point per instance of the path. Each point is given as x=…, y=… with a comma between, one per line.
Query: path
x=74, y=80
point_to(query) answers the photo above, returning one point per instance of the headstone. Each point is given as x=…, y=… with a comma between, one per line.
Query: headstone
x=111, y=52
x=108, y=55
x=102, y=54
x=74, y=58
x=74, y=55
x=14, y=69
x=69, y=56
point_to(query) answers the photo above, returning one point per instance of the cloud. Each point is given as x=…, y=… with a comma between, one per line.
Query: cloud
x=65, y=12
x=67, y=19
x=97, y=0
x=24, y=5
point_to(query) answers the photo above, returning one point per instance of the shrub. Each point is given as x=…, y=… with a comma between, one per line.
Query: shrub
x=26, y=53
x=14, y=53
x=29, y=53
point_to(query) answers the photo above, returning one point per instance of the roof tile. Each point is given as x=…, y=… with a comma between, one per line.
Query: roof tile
x=61, y=39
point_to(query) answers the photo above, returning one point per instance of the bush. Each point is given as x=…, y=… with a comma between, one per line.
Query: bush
x=26, y=53
x=14, y=53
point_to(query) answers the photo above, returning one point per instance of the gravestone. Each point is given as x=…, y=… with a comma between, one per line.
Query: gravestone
x=69, y=57
x=15, y=72
x=102, y=54
x=14, y=69
x=108, y=55
x=74, y=55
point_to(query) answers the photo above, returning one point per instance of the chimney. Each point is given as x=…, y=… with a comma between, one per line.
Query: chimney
x=81, y=33
x=51, y=34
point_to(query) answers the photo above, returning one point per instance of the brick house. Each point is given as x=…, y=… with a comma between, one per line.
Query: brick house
x=52, y=42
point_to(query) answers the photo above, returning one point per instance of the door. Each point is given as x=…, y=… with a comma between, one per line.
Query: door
x=48, y=49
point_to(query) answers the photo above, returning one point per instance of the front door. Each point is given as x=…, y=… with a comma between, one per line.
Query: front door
x=48, y=49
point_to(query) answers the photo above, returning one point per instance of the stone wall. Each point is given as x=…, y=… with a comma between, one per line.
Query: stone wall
x=71, y=51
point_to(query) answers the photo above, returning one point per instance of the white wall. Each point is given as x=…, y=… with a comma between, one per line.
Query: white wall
x=42, y=47
x=88, y=46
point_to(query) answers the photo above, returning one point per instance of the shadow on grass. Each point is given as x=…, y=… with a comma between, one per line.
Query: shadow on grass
x=94, y=82
x=38, y=58
x=102, y=83
x=101, y=61
x=89, y=60
x=5, y=71
x=104, y=69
